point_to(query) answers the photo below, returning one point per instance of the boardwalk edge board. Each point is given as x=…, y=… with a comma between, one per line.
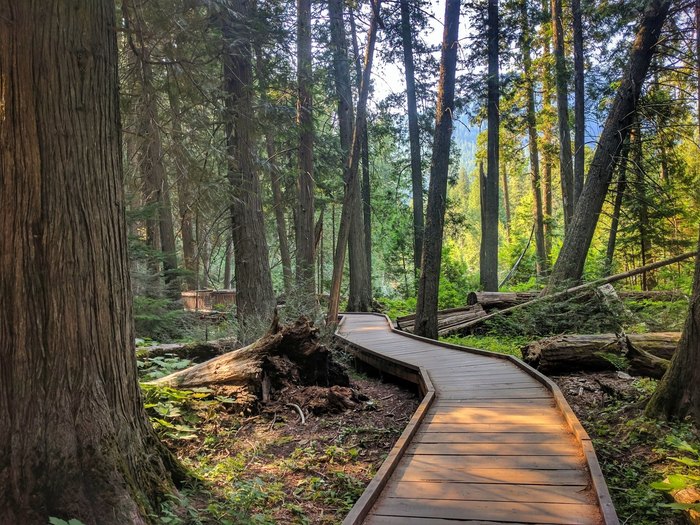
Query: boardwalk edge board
x=419, y=375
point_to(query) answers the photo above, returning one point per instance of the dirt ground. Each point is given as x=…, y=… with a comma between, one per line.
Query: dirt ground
x=271, y=468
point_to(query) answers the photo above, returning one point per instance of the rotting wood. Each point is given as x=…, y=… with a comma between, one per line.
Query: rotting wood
x=449, y=320
x=642, y=354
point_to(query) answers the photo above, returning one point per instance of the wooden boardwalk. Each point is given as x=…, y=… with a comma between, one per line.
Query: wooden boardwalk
x=492, y=442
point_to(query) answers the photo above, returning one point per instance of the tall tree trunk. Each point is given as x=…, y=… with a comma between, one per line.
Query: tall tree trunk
x=413, y=134
x=569, y=265
x=305, y=181
x=74, y=438
x=506, y=200
x=542, y=262
x=254, y=294
x=547, y=136
x=617, y=207
x=156, y=187
x=488, y=260
x=184, y=196
x=428, y=284
x=351, y=185
x=640, y=196
x=359, y=299
x=579, y=101
x=366, y=203
x=275, y=177
x=561, y=77
x=678, y=394
x=278, y=204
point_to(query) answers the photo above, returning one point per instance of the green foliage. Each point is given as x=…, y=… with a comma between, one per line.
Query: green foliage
x=58, y=521
x=154, y=367
x=397, y=307
x=494, y=343
x=687, y=477
x=659, y=316
x=160, y=319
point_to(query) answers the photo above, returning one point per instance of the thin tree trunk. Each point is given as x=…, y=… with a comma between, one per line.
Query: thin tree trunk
x=542, y=262
x=280, y=221
x=561, y=77
x=351, y=185
x=579, y=101
x=617, y=207
x=74, y=438
x=488, y=259
x=359, y=299
x=428, y=284
x=569, y=265
x=506, y=200
x=228, y=256
x=182, y=184
x=641, y=201
x=275, y=177
x=157, y=190
x=254, y=294
x=305, y=181
x=413, y=134
x=547, y=138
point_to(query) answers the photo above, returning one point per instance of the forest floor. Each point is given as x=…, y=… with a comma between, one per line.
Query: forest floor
x=269, y=468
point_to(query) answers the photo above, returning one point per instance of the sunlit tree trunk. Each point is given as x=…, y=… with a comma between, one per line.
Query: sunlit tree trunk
x=488, y=260
x=75, y=441
x=428, y=284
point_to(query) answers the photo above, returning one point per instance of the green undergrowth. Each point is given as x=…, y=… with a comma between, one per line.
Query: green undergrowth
x=637, y=454
x=500, y=344
x=658, y=316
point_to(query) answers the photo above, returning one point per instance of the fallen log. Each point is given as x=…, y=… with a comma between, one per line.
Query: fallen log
x=583, y=287
x=448, y=320
x=196, y=352
x=286, y=355
x=638, y=354
x=499, y=300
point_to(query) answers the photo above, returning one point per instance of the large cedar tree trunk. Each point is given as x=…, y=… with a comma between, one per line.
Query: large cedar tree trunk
x=254, y=295
x=74, y=438
x=561, y=78
x=305, y=180
x=413, y=133
x=428, y=284
x=488, y=260
x=678, y=394
x=569, y=265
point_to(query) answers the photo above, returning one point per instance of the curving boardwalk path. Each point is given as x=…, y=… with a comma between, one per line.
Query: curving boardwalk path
x=493, y=441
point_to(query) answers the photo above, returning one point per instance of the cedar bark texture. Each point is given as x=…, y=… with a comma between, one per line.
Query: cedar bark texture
x=569, y=265
x=254, y=294
x=428, y=284
x=74, y=439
